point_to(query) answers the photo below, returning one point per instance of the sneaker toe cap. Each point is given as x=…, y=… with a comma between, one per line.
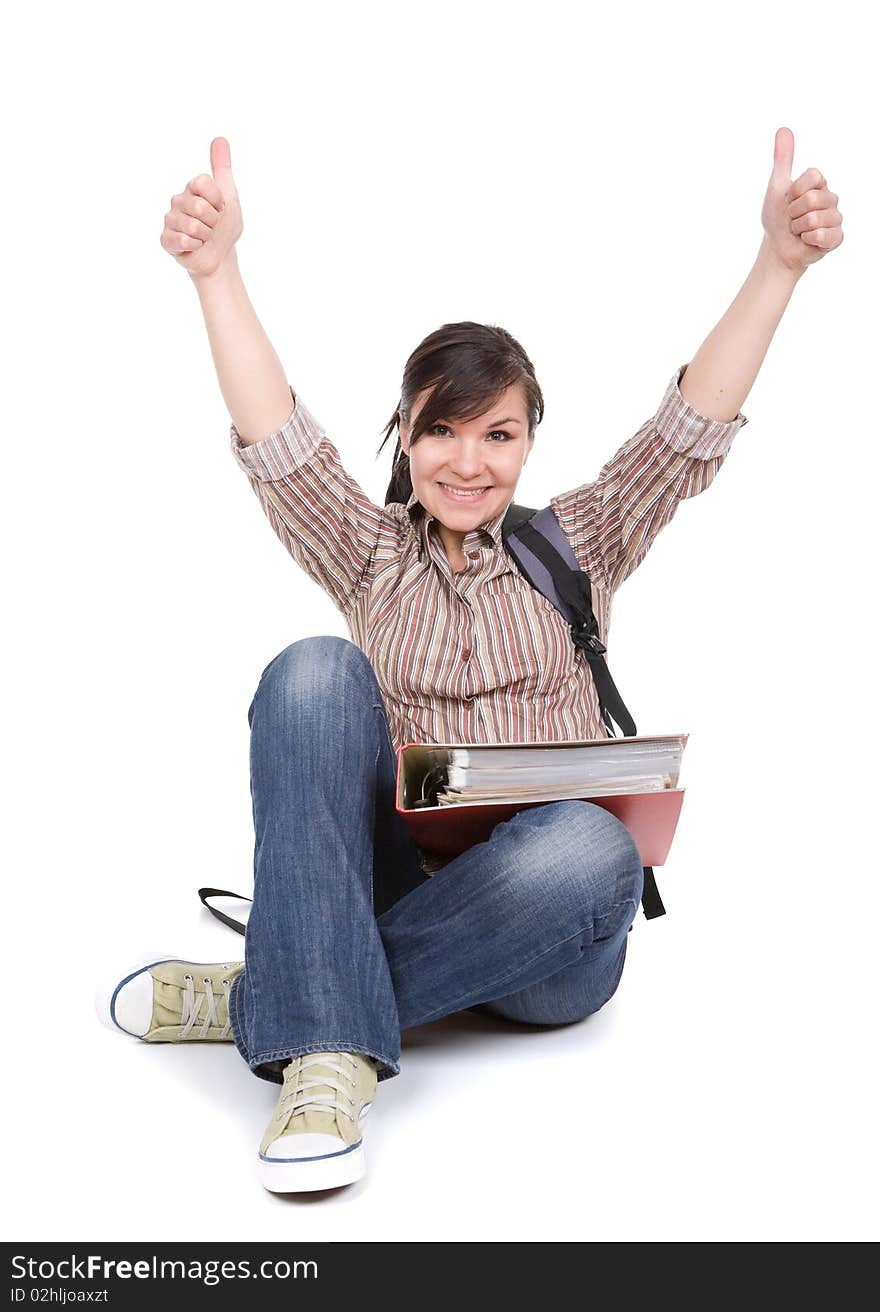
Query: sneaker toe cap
x=306, y=1147
x=131, y=1003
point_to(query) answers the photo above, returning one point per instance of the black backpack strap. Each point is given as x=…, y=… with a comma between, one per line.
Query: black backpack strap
x=568, y=588
x=205, y=893
x=652, y=904
x=573, y=586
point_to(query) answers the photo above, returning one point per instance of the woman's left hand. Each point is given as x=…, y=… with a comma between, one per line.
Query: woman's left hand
x=801, y=220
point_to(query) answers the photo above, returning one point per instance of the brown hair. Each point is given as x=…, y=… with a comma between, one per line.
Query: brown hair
x=468, y=365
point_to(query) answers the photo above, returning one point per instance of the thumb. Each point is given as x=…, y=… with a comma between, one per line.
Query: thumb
x=783, y=157
x=221, y=165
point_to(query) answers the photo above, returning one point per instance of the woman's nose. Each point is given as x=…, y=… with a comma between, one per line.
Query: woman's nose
x=466, y=465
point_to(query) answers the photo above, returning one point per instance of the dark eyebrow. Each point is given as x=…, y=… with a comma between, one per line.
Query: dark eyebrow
x=511, y=419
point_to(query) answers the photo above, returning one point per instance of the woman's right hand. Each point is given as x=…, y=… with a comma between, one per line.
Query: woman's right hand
x=204, y=221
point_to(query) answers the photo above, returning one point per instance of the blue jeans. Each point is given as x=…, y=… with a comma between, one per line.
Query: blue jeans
x=349, y=941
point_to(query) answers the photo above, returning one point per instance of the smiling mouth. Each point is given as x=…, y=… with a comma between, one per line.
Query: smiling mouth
x=464, y=494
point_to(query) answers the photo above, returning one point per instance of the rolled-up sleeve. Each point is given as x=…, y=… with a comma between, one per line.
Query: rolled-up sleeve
x=318, y=510
x=612, y=521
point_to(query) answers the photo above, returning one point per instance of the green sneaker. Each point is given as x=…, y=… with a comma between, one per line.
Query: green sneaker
x=166, y=999
x=314, y=1140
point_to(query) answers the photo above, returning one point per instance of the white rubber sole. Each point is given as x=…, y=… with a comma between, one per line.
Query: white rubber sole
x=107, y=989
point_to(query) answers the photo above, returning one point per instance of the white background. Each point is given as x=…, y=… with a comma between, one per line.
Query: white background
x=591, y=180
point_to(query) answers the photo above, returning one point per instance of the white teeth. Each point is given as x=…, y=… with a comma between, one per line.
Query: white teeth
x=455, y=492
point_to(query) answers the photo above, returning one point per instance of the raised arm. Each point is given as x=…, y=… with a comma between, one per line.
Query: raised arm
x=801, y=224
x=200, y=232
x=317, y=509
x=251, y=376
x=612, y=521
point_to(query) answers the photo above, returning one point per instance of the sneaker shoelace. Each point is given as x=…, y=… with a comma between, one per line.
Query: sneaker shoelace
x=190, y=1003
x=325, y=1102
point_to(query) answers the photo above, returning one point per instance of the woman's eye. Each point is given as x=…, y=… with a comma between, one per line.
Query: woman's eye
x=498, y=432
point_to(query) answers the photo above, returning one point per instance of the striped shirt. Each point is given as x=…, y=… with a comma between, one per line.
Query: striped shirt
x=477, y=656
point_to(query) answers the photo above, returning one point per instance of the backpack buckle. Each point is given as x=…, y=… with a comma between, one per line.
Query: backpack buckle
x=587, y=637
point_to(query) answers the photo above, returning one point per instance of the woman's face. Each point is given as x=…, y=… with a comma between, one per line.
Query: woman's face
x=487, y=452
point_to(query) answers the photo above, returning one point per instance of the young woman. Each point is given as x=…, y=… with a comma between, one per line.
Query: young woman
x=354, y=933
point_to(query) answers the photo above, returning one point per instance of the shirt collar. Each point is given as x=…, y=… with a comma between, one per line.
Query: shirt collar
x=420, y=515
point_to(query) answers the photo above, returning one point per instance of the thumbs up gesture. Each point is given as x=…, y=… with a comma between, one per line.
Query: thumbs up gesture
x=204, y=221
x=801, y=220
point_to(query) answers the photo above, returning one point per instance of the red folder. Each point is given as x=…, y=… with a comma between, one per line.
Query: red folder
x=651, y=817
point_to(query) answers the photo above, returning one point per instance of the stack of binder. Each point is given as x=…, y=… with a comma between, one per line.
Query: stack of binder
x=451, y=795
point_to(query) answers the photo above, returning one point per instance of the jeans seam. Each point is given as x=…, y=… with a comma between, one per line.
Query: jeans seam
x=457, y=1006
x=375, y=815
x=237, y=1024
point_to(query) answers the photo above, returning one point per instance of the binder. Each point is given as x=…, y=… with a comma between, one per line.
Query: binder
x=650, y=817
